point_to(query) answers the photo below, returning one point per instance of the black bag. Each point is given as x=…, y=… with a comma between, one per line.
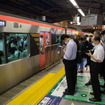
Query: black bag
x=78, y=58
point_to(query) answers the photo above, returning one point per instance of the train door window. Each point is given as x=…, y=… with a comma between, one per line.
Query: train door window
x=2, y=50
x=41, y=44
x=58, y=39
x=47, y=40
x=17, y=46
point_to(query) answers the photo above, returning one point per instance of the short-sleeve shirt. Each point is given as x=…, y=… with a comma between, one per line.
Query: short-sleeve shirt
x=98, y=53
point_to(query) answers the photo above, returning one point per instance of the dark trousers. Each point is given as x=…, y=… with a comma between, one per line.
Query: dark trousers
x=71, y=74
x=94, y=71
x=102, y=70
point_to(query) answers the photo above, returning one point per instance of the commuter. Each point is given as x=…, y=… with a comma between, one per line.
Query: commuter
x=96, y=62
x=12, y=56
x=69, y=61
x=96, y=33
x=102, y=71
x=82, y=54
x=20, y=43
x=91, y=48
x=78, y=58
x=1, y=54
x=24, y=53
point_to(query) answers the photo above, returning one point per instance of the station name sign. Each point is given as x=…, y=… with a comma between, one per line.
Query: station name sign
x=2, y=23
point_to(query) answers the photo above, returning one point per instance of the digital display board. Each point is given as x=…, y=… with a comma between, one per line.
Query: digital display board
x=2, y=23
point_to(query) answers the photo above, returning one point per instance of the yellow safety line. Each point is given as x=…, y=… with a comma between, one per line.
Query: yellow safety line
x=38, y=94
x=30, y=90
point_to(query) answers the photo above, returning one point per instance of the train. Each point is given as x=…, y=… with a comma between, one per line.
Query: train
x=25, y=45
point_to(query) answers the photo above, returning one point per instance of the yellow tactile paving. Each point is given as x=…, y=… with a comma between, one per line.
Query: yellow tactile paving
x=30, y=90
x=33, y=96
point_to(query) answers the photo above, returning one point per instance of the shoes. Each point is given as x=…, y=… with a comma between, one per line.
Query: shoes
x=81, y=71
x=66, y=89
x=95, y=100
x=103, y=86
x=103, y=92
x=88, y=83
x=91, y=93
x=68, y=93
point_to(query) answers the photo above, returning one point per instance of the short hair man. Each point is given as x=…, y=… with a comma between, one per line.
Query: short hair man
x=69, y=61
x=102, y=71
x=96, y=62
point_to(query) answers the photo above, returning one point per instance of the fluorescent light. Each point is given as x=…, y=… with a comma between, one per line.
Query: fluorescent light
x=81, y=12
x=74, y=3
x=76, y=6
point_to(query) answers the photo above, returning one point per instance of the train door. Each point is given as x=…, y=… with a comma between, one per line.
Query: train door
x=45, y=40
x=47, y=49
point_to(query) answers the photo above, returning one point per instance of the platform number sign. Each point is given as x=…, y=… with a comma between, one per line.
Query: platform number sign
x=2, y=23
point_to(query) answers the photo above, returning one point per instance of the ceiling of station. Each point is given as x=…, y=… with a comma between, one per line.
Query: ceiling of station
x=54, y=10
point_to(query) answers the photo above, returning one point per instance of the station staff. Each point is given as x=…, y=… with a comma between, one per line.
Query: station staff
x=96, y=63
x=69, y=61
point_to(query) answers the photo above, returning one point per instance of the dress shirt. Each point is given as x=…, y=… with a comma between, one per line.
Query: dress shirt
x=71, y=50
x=98, y=53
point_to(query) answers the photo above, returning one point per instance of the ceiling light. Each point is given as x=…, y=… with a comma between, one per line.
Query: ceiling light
x=76, y=6
x=81, y=12
x=74, y=3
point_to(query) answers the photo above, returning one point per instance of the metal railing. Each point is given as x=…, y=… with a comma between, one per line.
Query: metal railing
x=53, y=54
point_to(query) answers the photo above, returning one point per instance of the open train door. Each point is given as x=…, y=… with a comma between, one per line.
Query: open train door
x=45, y=40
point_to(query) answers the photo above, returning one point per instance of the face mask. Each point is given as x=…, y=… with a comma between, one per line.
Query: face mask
x=66, y=43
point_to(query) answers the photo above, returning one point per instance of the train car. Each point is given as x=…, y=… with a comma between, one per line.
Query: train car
x=27, y=46
x=23, y=44
x=74, y=33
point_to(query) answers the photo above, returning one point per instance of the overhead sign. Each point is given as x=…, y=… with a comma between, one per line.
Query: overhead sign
x=2, y=23
x=89, y=20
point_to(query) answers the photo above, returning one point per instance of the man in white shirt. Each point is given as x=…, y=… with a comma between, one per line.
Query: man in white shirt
x=102, y=72
x=70, y=63
x=96, y=62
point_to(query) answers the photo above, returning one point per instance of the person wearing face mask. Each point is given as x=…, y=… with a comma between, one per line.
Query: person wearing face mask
x=69, y=60
x=102, y=70
x=96, y=62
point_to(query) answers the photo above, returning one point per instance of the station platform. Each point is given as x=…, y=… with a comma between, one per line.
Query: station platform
x=47, y=87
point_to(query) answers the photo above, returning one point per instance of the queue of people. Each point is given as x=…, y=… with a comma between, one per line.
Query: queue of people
x=76, y=51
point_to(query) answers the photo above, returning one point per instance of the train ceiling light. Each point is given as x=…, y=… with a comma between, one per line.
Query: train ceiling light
x=78, y=8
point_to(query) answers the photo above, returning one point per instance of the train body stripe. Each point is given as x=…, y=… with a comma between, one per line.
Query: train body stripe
x=14, y=19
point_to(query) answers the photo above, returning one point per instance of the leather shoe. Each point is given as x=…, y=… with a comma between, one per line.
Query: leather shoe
x=95, y=100
x=68, y=93
x=66, y=89
x=91, y=93
x=88, y=83
x=103, y=86
x=103, y=92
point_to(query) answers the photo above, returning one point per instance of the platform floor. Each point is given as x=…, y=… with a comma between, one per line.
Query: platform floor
x=9, y=95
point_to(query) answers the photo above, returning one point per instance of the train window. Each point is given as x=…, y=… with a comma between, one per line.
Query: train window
x=58, y=39
x=17, y=46
x=2, y=50
x=41, y=44
x=47, y=40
